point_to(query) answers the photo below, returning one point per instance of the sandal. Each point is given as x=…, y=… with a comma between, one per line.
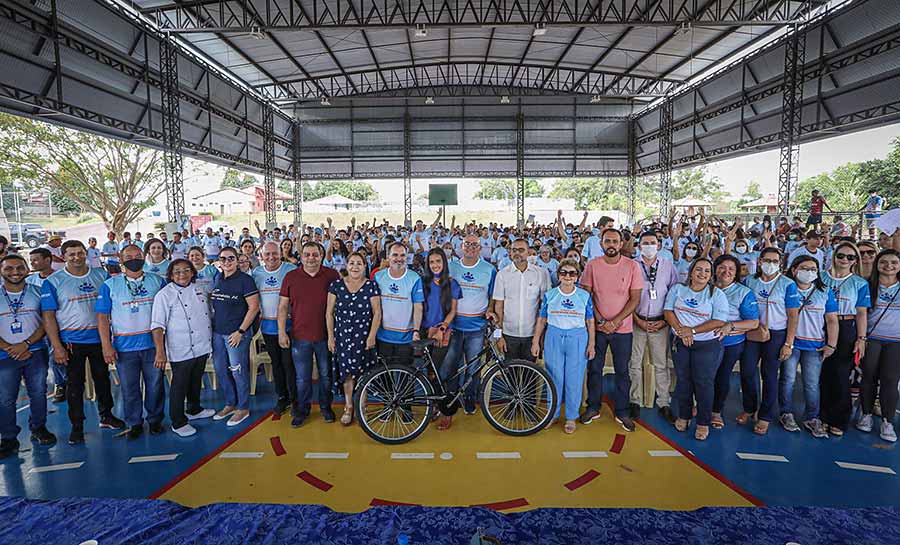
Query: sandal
x=347, y=417
x=445, y=423
x=761, y=428
x=570, y=426
x=701, y=433
x=681, y=424
x=835, y=431
x=716, y=422
x=743, y=418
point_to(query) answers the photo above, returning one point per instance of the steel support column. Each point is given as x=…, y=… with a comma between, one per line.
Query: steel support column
x=791, y=114
x=171, y=124
x=520, y=168
x=297, y=186
x=665, y=157
x=407, y=173
x=632, y=171
x=268, y=167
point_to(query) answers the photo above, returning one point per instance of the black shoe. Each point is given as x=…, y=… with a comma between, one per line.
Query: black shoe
x=59, y=394
x=328, y=415
x=666, y=412
x=469, y=406
x=112, y=423
x=43, y=437
x=297, y=420
x=589, y=415
x=626, y=422
x=156, y=428
x=76, y=436
x=634, y=410
x=8, y=447
x=280, y=407
x=134, y=432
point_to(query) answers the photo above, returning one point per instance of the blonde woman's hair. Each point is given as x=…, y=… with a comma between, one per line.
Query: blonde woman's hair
x=571, y=263
x=847, y=244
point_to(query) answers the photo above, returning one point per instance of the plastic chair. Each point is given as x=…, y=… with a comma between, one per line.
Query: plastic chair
x=259, y=356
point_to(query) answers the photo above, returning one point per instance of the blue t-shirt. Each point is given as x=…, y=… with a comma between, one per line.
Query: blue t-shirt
x=551, y=266
x=269, y=285
x=129, y=304
x=774, y=298
x=477, y=283
x=592, y=248
x=398, y=295
x=20, y=317
x=742, y=305
x=433, y=313
x=851, y=292
x=206, y=277
x=228, y=297
x=111, y=249
x=567, y=310
x=884, y=316
x=73, y=298
x=814, y=305
x=159, y=269
x=693, y=308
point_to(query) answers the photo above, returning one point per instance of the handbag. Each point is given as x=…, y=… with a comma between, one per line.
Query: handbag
x=762, y=334
x=441, y=335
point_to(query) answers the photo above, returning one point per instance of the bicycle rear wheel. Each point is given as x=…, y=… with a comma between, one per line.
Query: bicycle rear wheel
x=391, y=405
x=518, y=397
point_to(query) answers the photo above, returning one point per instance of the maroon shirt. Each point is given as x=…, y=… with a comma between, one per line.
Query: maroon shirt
x=309, y=297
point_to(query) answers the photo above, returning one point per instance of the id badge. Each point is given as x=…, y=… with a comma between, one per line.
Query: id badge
x=15, y=327
x=653, y=294
x=134, y=308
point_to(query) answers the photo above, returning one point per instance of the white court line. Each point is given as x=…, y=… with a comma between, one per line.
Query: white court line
x=57, y=467
x=412, y=456
x=864, y=467
x=327, y=455
x=584, y=454
x=242, y=455
x=498, y=455
x=665, y=453
x=156, y=458
x=22, y=408
x=761, y=457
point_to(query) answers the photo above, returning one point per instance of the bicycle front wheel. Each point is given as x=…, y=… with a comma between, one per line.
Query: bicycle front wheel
x=391, y=403
x=518, y=397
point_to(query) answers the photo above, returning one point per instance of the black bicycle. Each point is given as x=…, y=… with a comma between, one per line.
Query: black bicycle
x=395, y=402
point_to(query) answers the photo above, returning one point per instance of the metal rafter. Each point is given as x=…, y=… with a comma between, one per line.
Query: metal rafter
x=407, y=171
x=632, y=170
x=268, y=168
x=665, y=157
x=520, y=168
x=296, y=185
x=171, y=122
x=791, y=120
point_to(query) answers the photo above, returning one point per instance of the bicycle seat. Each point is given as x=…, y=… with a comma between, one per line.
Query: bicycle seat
x=423, y=343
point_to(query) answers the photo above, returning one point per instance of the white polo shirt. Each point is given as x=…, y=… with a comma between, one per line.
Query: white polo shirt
x=184, y=314
x=521, y=293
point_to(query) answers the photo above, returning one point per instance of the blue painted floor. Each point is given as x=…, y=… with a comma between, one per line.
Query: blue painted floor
x=810, y=477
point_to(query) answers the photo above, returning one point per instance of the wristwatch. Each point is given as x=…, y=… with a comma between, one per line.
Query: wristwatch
x=241, y=330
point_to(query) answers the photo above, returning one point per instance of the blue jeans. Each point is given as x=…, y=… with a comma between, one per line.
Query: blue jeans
x=730, y=355
x=565, y=360
x=464, y=344
x=750, y=361
x=695, y=369
x=60, y=373
x=34, y=371
x=132, y=366
x=302, y=354
x=812, y=368
x=620, y=344
x=233, y=370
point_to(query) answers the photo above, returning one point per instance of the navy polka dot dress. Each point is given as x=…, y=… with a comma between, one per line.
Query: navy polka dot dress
x=352, y=320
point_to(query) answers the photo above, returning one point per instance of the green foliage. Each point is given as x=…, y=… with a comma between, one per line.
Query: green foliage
x=696, y=182
x=114, y=180
x=358, y=191
x=505, y=188
x=607, y=193
x=844, y=188
x=752, y=193
x=236, y=179
x=883, y=175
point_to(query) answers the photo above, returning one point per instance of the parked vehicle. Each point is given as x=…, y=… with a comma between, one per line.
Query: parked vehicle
x=32, y=234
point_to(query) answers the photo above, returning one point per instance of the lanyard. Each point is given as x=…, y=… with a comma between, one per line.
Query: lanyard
x=134, y=287
x=14, y=306
x=651, y=276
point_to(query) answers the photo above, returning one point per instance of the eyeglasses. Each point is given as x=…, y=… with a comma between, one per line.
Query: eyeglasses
x=867, y=253
x=177, y=272
x=568, y=273
x=228, y=259
x=471, y=244
x=848, y=257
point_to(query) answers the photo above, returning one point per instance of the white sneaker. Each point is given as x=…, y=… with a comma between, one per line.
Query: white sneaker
x=237, y=418
x=865, y=423
x=205, y=413
x=224, y=413
x=887, y=431
x=185, y=431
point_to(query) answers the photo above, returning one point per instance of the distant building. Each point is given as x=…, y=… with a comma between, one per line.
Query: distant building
x=765, y=205
x=230, y=201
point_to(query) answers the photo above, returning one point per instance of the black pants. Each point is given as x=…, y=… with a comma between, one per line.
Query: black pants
x=282, y=369
x=79, y=354
x=518, y=348
x=395, y=353
x=834, y=380
x=187, y=379
x=881, y=370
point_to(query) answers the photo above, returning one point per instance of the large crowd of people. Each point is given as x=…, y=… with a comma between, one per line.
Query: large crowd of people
x=696, y=293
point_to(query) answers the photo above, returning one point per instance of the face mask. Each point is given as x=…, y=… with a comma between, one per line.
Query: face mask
x=532, y=259
x=792, y=237
x=690, y=253
x=807, y=277
x=649, y=251
x=769, y=269
x=134, y=265
x=740, y=249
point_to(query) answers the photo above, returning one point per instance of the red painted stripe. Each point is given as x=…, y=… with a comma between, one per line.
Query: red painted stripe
x=276, y=417
x=588, y=476
x=703, y=465
x=314, y=481
x=184, y=474
x=277, y=447
x=618, y=444
x=502, y=505
x=379, y=502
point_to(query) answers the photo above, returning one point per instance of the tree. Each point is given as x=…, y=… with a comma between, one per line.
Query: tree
x=695, y=182
x=112, y=179
x=844, y=188
x=357, y=191
x=883, y=175
x=236, y=179
x=752, y=193
x=607, y=193
x=505, y=189
x=288, y=187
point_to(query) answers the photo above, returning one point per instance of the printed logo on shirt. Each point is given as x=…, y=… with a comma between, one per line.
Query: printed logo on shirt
x=271, y=281
x=886, y=297
x=764, y=293
x=86, y=287
x=394, y=288
x=568, y=304
x=468, y=277
x=691, y=303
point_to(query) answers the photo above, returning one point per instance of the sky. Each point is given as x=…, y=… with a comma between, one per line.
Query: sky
x=734, y=174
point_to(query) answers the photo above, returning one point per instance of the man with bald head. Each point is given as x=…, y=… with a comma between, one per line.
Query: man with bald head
x=269, y=276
